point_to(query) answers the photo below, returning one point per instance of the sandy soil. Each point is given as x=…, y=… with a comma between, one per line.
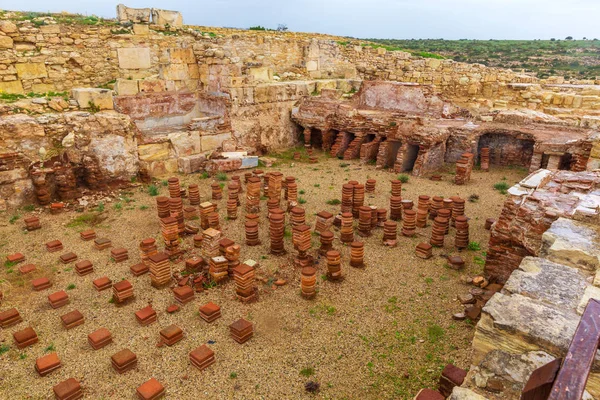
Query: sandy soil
x=384, y=332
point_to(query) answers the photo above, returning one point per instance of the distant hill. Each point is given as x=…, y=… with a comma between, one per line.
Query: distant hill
x=573, y=59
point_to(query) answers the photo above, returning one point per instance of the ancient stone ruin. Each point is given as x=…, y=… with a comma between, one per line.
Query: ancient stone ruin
x=274, y=213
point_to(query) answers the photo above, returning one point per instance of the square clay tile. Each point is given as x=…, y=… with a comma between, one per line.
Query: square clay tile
x=25, y=337
x=150, y=390
x=139, y=269
x=171, y=332
x=241, y=325
x=68, y=390
x=40, y=284
x=202, y=354
x=15, y=258
x=100, y=338
x=27, y=268
x=102, y=283
x=46, y=364
x=123, y=359
x=145, y=313
x=84, y=264
x=68, y=257
x=58, y=299
x=122, y=286
x=210, y=308
x=9, y=318
x=72, y=319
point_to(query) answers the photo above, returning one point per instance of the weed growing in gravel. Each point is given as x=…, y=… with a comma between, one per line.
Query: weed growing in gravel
x=4, y=348
x=222, y=176
x=308, y=371
x=403, y=178
x=71, y=286
x=474, y=246
x=153, y=190
x=14, y=219
x=502, y=187
x=334, y=202
x=50, y=348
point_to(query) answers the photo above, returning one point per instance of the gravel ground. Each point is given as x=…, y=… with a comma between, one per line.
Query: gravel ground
x=383, y=332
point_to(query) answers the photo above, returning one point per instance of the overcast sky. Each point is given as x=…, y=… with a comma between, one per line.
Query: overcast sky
x=399, y=19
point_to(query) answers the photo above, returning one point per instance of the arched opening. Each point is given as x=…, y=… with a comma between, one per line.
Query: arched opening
x=565, y=162
x=507, y=149
x=316, y=138
x=408, y=162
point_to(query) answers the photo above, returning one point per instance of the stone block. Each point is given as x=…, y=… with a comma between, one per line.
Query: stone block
x=153, y=151
x=249, y=162
x=134, y=58
x=185, y=143
x=152, y=85
x=8, y=26
x=102, y=98
x=191, y=164
x=312, y=66
x=572, y=243
x=460, y=393
x=224, y=165
x=126, y=87
x=182, y=56
x=213, y=142
x=261, y=74
x=13, y=87
x=174, y=72
x=31, y=70
x=117, y=155
x=137, y=15
x=141, y=29
x=167, y=17
x=43, y=87
x=6, y=42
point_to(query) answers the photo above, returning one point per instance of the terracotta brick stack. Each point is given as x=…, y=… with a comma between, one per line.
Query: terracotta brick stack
x=190, y=213
x=357, y=254
x=40, y=284
x=347, y=197
x=396, y=188
x=409, y=223
x=233, y=192
x=170, y=234
x=435, y=205
x=292, y=193
x=25, y=269
x=46, y=364
x=69, y=389
x=461, y=240
x=194, y=264
x=213, y=220
x=247, y=176
x=100, y=338
x=334, y=265
x=9, y=318
x=358, y=198
x=251, y=228
x=25, y=337
x=194, y=194
x=183, y=294
x=87, y=235
x=407, y=204
x=456, y=262
x=438, y=232
x=232, y=209
x=274, y=192
x=72, y=319
x=364, y=221
x=390, y=233
x=205, y=209
x=326, y=242
x=160, y=269
x=146, y=316
x=122, y=291
x=162, y=206
x=217, y=192
x=147, y=249
x=337, y=144
x=58, y=299
x=171, y=335
x=119, y=254
x=32, y=223
x=324, y=221
x=102, y=243
x=245, y=288
x=421, y=218
x=464, y=166
x=446, y=214
x=56, y=208
x=84, y=267
x=54, y=245
x=488, y=223
x=308, y=282
x=253, y=195
x=423, y=250
x=218, y=268
x=176, y=208
x=224, y=243
x=423, y=203
x=150, y=390
x=174, y=187
x=347, y=228
x=210, y=243
x=284, y=185
x=276, y=233
x=210, y=312
x=241, y=330
x=232, y=254
x=297, y=216
x=458, y=209
x=123, y=361
x=66, y=258
x=17, y=258
x=202, y=357
x=373, y=217
x=395, y=208
x=484, y=154
x=102, y=283
x=370, y=185
x=236, y=179
x=302, y=242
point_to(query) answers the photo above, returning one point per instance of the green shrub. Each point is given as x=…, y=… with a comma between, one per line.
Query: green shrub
x=222, y=176
x=502, y=187
x=334, y=202
x=474, y=246
x=403, y=178
x=153, y=190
